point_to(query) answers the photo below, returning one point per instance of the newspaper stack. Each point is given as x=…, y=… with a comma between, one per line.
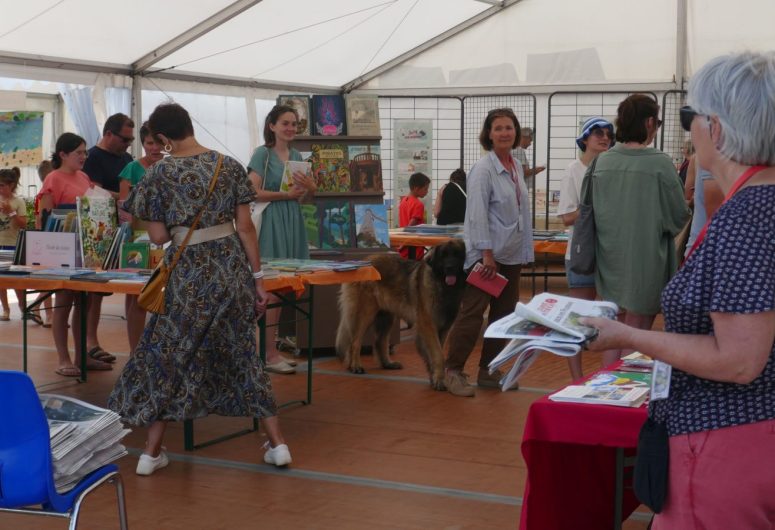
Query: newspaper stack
x=83, y=438
x=549, y=322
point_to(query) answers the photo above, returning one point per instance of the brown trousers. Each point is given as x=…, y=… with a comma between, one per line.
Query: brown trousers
x=468, y=325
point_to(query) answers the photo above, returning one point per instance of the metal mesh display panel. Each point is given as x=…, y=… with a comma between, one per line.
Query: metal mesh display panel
x=446, y=115
x=672, y=135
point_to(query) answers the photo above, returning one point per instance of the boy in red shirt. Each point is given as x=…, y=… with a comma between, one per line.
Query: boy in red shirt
x=411, y=210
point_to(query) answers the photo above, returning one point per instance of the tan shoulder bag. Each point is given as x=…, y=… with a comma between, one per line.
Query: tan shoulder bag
x=151, y=297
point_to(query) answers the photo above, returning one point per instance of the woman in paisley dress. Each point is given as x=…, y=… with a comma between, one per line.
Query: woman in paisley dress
x=199, y=357
x=719, y=313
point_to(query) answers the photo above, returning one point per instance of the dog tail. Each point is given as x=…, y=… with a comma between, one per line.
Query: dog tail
x=344, y=336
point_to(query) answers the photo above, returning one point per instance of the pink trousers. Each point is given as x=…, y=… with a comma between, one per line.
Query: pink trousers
x=721, y=480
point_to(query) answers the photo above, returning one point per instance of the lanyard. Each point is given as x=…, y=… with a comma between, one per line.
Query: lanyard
x=742, y=179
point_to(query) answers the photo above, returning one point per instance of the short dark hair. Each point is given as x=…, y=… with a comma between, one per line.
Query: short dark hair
x=271, y=118
x=10, y=177
x=631, y=118
x=145, y=131
x=418, y=180
x=115, y=123
x=458, y=177
x=171, y=120
x=44, y=169
x=484, y=136
x=66, y=143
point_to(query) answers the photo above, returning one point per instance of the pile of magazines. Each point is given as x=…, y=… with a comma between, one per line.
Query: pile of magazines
x=549, y=322
x=83, y=438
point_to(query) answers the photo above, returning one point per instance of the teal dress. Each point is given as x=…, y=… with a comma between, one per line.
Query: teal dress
x=282, y=227
x=133, y=172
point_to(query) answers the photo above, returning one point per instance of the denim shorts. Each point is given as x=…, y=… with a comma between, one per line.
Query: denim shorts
x=576, y=281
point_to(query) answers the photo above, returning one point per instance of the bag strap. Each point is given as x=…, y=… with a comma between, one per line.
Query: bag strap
x=461, y=189
x=586, y=186
x=266, y=167
x=191, y=229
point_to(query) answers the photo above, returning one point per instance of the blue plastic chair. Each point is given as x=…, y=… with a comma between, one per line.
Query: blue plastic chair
x=26, y=474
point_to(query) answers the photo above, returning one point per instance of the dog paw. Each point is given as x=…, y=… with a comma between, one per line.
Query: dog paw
x=393, y=365
x=357, y=370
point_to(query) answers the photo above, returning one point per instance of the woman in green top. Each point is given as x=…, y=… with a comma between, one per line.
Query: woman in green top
x=134, y=171
x=282, y=225
x=639, y=208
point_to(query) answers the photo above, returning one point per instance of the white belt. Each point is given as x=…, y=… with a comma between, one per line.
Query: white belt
x=201, y=235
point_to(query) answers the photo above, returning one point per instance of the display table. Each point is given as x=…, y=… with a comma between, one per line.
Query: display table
x=574, y=455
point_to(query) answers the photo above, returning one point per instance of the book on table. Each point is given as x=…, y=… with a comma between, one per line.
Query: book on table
x=620, y=396
x=549, y=322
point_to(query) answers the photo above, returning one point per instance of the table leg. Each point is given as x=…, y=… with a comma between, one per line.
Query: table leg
x=24, y=333
x=619, y=491
x=310, y=328
x=84, y=297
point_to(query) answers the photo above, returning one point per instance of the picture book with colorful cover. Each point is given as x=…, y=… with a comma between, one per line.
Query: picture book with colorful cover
x=365, y=168
x=97, y=225
x=620, y=396
x=328, y=115
x=309, y=212
x=135, y=255
x=330, y=167
x=291, y=167
x=335, y=224
x=300, y=103
x=362, y=115
x=619, y=378
x=371, y=226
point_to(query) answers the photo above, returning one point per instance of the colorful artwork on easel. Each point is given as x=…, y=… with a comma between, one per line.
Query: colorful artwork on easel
x=335, y=224
x=21, y=138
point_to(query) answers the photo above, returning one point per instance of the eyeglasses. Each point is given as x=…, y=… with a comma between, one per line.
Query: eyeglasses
x=687, y=115
x=125, y=139
x=601, y=133
x=659, y=122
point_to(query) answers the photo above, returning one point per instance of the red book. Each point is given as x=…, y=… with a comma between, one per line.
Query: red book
x=492, y=286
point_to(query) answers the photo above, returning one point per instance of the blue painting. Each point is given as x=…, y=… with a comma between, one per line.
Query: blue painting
x=328, y=115
x=21, y=138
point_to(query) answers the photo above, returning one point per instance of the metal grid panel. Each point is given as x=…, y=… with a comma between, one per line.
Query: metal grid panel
x=445, y=112
x=567, y=110
x=475, y=109
x=672, y=134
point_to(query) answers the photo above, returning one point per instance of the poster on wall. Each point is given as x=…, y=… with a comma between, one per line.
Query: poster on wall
x=21, y=138
x=413, y=153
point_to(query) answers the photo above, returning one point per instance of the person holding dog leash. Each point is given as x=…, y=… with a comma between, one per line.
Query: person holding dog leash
x=498, y=234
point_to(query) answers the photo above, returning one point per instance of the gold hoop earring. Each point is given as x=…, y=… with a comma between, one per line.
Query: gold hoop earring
x=167, y=148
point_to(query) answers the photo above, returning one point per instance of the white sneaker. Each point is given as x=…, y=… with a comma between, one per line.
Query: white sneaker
x=148, y=464
x=278, y=456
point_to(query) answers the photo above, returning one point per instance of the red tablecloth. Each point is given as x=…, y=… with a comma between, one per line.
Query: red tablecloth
x=570, y=450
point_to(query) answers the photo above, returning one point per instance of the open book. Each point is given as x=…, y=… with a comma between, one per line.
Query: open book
x=291, y=167
x=84, y=437
x=549, y=322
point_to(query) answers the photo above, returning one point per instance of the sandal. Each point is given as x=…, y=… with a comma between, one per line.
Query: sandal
x=98, y=366
x=68, y=371
x=98, y=354
x=35, y=318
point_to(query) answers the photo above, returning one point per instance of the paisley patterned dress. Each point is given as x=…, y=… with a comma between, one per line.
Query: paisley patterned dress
x=200, y=357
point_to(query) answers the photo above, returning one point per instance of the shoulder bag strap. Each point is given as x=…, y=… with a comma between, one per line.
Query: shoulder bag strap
x=587, y=199
x=461, y=189
x=191, y=229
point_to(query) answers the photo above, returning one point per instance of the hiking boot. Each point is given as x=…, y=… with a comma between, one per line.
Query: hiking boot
x=457, y=384
x=488, y=380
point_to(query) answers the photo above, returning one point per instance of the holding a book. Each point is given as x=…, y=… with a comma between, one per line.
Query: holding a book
x=718, y=404
x=498, y=234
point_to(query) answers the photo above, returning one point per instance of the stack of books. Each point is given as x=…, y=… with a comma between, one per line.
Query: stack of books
x=83, y=438
x=618, y=388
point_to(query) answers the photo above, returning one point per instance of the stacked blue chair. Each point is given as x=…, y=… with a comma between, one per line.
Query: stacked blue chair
x=26, y=474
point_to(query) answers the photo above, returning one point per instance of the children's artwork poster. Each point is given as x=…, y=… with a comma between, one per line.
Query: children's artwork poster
x=413, y=153
x=335, y=224
x=21, y=138
x=97, y=223
x=371, y=226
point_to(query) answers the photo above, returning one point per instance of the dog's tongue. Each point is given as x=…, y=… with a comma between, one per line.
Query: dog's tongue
x=451, y=279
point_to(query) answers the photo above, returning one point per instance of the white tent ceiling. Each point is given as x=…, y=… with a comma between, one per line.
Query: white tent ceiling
x=384, y=45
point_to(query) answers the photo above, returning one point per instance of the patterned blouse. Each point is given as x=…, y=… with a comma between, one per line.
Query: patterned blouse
x=733, y=271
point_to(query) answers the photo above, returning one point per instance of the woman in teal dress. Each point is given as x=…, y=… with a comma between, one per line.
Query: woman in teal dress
x=199, y=357
x=282, y=226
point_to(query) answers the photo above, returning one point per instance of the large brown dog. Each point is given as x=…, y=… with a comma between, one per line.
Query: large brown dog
x=424, y=293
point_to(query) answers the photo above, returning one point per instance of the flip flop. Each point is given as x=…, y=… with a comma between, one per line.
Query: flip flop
x=36, y=318
x=98, y=354
x=98, y=366
x=68, y=371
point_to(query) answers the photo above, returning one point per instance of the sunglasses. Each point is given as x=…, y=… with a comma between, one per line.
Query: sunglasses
x=601, y=133
x=687, y=115
x=125, y=139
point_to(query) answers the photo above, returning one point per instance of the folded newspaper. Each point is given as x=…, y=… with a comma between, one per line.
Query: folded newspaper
x=84, y=437
x=549, y=322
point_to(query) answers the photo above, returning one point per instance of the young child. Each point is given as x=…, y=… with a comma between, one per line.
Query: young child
x=13, y=216
x=411, y=210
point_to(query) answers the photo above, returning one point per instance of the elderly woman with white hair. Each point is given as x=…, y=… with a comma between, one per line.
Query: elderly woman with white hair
x=719, y=309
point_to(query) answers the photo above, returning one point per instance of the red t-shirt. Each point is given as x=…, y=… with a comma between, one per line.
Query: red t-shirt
x=410, y=208
x=65, y=187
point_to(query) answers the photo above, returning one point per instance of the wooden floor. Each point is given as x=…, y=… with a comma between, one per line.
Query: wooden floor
x=380, y=451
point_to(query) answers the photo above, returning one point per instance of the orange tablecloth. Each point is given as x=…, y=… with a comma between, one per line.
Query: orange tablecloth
x=398, y=239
